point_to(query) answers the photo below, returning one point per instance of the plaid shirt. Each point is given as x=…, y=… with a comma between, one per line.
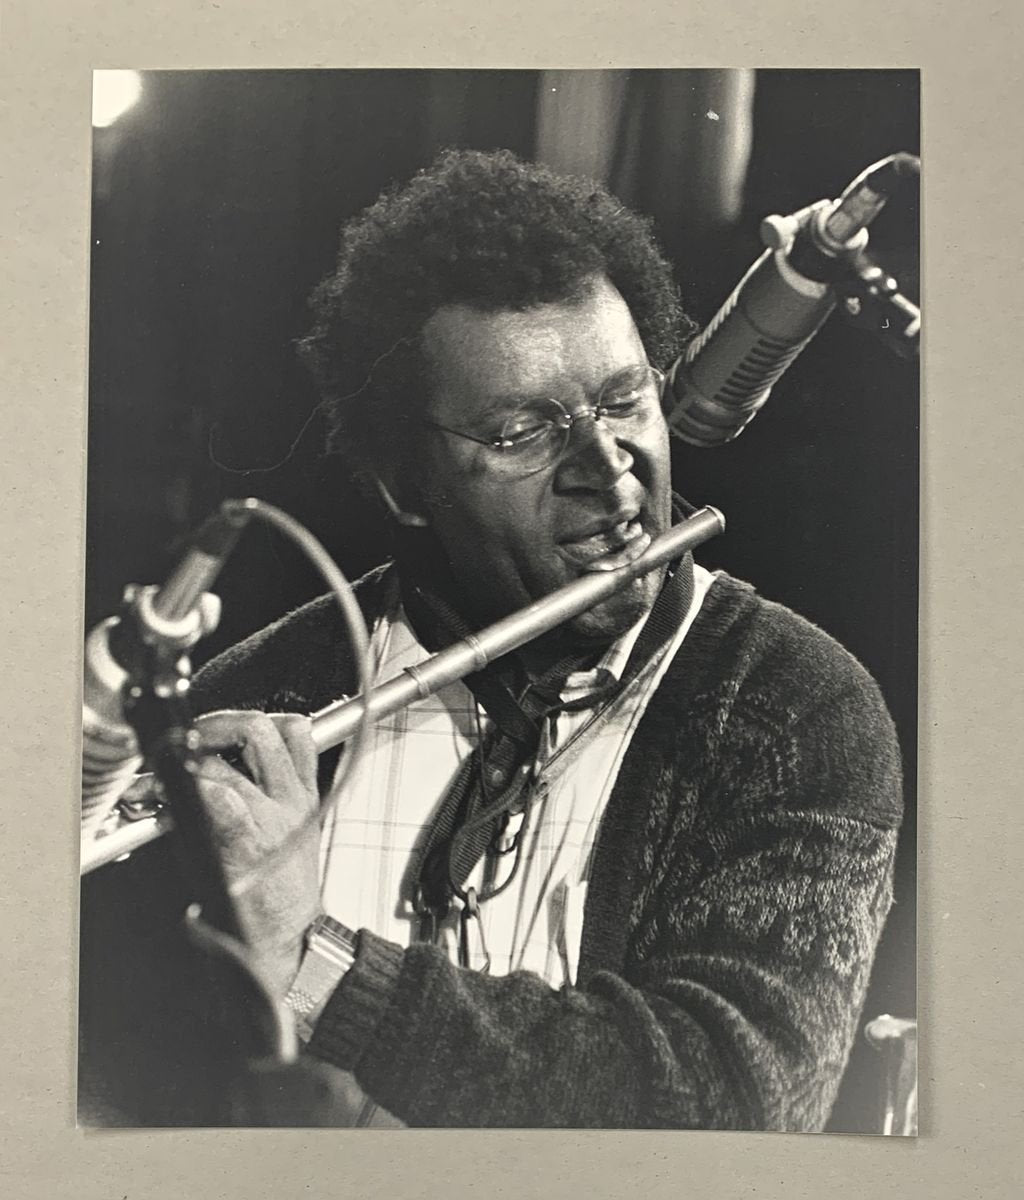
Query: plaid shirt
x=410, y=758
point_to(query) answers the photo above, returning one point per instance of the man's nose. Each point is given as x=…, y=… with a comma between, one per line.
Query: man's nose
x=594, y=457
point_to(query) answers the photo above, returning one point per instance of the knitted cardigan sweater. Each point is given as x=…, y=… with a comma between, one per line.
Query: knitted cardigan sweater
x=740, y=882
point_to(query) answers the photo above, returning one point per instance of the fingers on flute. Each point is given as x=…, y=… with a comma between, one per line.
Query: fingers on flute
x=296, y=731
x=277, y=752
x=228, y=807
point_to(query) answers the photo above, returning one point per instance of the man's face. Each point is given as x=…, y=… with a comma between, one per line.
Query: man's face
x=512, y=540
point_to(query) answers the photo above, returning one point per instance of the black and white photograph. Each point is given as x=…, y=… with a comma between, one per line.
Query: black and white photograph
x=501, y=600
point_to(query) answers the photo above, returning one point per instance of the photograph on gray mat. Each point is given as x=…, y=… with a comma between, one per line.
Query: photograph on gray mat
x=590, y=801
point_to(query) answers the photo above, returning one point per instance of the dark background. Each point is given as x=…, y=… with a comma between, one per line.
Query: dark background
x=216, y=206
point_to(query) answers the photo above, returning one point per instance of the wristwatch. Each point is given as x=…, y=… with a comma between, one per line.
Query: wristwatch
x=330, y=951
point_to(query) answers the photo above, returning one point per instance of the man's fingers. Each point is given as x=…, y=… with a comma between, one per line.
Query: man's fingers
x=262, y=750
x=296, y=732
x=222, y=732
x=215, y=770
x=229, y=808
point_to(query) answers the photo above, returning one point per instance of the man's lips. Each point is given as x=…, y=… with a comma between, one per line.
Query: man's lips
x=609, y=546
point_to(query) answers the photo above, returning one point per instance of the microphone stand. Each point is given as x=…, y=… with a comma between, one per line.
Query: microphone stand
x=250, y=1025
x=253, y=1075
x=156, y=707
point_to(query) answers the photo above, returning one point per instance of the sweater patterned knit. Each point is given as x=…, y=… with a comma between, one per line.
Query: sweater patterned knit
x=739, y=886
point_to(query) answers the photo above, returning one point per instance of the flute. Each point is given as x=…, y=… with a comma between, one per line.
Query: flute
x=336, y=722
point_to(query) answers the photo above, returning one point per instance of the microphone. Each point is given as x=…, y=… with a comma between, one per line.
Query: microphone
x=170, y=618
x=728, y=371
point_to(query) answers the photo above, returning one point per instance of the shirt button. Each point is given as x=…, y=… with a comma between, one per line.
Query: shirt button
x=496, y=776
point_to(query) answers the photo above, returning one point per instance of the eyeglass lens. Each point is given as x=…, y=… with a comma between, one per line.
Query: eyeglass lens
x=536, y=434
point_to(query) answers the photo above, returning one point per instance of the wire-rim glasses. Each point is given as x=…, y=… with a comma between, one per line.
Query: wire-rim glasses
x=536, y=433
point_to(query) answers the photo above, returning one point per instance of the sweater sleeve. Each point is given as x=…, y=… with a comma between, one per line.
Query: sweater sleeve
x=752, y=932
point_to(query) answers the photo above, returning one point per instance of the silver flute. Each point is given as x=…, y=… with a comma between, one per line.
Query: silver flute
x=336, y=723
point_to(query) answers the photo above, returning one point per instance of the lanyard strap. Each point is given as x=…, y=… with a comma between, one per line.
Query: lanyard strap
x=498, y=778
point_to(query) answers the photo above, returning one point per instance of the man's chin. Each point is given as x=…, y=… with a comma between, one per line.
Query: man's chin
x=614, y=617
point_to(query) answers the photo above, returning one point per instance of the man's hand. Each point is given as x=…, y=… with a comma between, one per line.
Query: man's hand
x=267, y=829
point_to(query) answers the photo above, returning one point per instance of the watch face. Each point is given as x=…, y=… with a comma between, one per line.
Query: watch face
x=333, y=933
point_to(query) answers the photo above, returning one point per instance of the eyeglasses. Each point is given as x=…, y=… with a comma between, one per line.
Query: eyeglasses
x=535, y=435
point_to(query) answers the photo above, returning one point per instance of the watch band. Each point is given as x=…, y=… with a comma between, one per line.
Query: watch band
x=330, y=951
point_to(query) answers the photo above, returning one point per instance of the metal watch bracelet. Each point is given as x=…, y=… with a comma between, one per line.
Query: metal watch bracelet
x=330, y=951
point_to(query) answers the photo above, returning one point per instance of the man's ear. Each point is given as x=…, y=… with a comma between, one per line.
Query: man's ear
x=400, y=516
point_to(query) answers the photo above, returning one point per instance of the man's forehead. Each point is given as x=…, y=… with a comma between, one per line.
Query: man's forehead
x=509, y=351
x=458, y=337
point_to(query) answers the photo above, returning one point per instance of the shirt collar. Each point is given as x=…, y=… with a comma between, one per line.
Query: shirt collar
x=609, y=668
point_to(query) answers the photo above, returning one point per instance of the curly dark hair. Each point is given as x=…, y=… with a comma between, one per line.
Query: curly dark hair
x=480, y=229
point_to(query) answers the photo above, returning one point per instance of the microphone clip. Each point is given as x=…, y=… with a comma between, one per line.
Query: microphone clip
x=870, y=298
